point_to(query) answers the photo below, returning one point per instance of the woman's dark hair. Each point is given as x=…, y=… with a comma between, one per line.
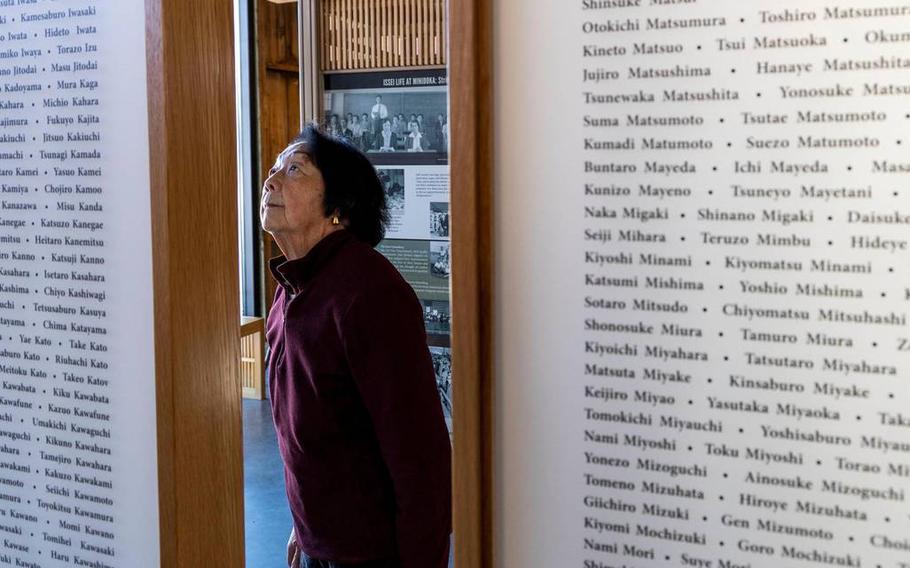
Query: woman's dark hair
x=351, y=185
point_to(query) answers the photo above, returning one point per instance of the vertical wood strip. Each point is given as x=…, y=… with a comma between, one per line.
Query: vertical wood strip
x=435, y=26
x=471, y=165
x=345, y=50
x=380, y=18
x=393, y=17
x=430, y=26
x=343, y=37
x=365, y=34
x=361, y=34
x=375, y=10
x=391, y=31
x=355, y=30
x=326, y=43
x=402, y=38
x=425, y=34
x=327, y=38
x=336, y=34
x=444, y=42
x=440, y=28
x=374, y=25
x=421, y=52
x=349, y=29
x=396, y=23
x=381, y=12
x=427, y=27
x=405, y=28
x=355, y=34
x=431, y=32
x=336, y=40
x=384, y=15
x=192, y=157
x=352, y=30
x=418, y=32
x=371, y=34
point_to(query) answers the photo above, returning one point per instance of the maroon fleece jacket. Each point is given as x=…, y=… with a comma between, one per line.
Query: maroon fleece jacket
x=358, y=418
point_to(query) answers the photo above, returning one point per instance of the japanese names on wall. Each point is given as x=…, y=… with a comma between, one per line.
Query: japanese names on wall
x=740, y=214
x=746, y=240
x=77, y=428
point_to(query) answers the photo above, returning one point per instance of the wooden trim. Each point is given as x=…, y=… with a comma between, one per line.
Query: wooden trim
x=194, y=177
x=310, y=28
x=471, y=159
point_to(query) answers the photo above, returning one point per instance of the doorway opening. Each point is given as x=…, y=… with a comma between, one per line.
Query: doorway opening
x=381, y=82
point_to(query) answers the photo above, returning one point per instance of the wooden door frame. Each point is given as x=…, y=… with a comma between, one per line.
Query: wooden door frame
x=471, y=166
x=192, y=139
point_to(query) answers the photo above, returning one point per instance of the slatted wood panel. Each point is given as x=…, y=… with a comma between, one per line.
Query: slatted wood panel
x=377, y=34
x=252, y=357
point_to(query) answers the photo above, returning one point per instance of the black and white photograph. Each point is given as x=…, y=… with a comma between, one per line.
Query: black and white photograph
x=393, y=183
x=440, y=265
x=439, y=219
x=437, y=317
x=395, y=117
x=391, y=122
x=442, y=364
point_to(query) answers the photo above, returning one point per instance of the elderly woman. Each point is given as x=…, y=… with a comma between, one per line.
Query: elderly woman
x=353, y=392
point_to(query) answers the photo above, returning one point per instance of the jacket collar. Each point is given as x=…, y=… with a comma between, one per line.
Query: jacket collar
x=295, y=274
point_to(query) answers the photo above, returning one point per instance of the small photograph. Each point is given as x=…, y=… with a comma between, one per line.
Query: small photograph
x=439, y=219
x=393, y=183
x=389, y=121
x=436, y=317
x=442, y=364
x=440, y=264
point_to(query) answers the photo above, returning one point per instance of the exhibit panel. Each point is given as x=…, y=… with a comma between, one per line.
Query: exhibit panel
x=399, y=118
x=701, y=218
x=78, y=472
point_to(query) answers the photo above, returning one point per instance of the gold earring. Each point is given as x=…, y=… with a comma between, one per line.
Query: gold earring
x=335, y=220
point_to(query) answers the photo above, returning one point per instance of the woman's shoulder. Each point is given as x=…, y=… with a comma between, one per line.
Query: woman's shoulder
x=364, y=267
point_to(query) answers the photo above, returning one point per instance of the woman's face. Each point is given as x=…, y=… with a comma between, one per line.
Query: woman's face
x=293, y=195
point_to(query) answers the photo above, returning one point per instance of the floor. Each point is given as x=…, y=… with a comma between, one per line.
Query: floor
x=268, y=520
